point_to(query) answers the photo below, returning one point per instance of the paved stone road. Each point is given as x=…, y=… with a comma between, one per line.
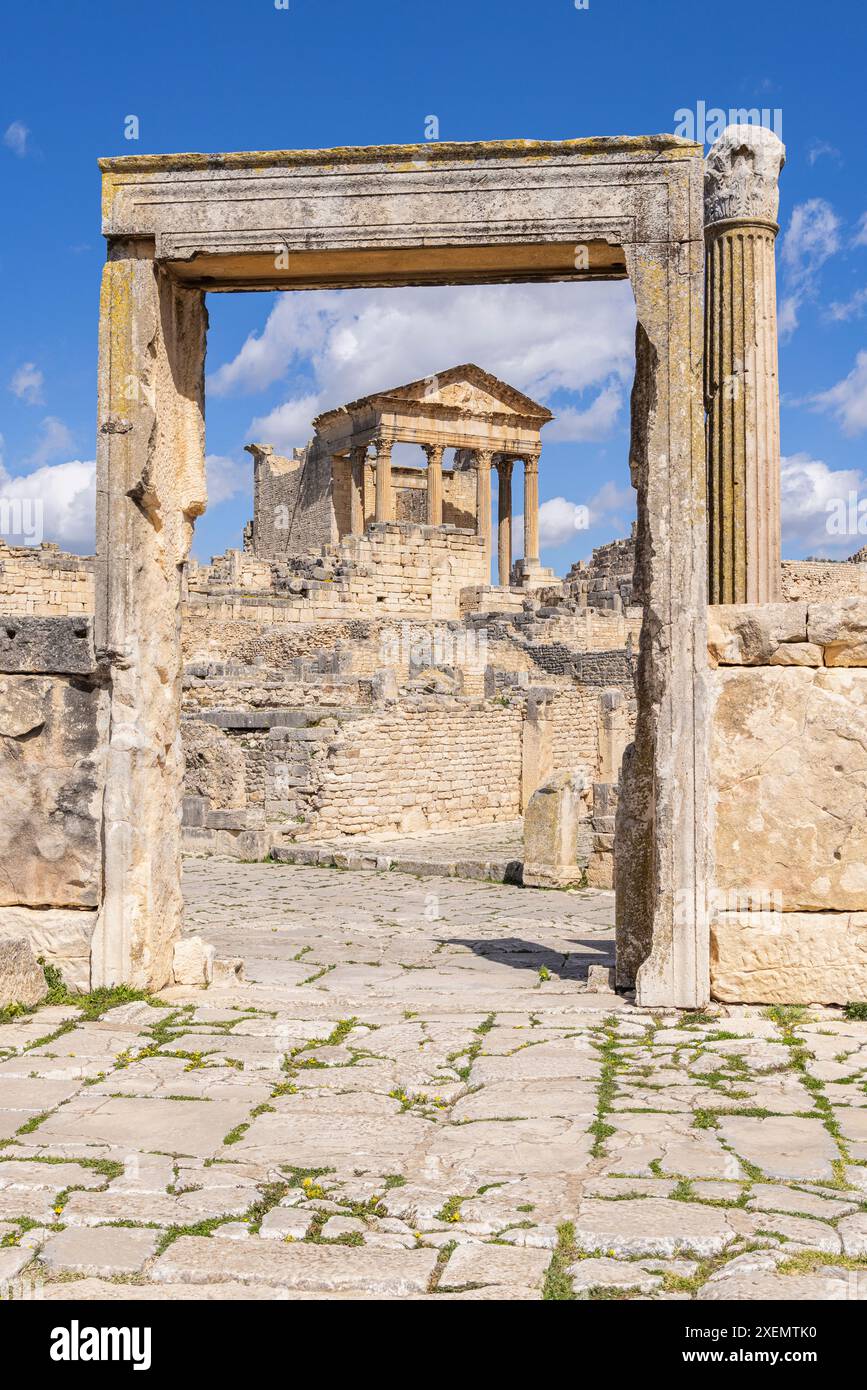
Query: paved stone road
x=416, y=1097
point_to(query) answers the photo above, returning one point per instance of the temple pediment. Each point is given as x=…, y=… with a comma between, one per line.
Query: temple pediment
x=471, y=389
x=466, y=388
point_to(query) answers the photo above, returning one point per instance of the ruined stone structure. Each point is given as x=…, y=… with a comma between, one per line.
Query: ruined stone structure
x=332, y=489
x=331, y=684
x=43, y=582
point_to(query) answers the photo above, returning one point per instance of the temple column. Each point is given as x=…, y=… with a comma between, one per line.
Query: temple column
x=504, y=521
x=357, y=457
x=383, y=480
x=434, y=483
x=484, y=460
x=741, y=386
x=531, y=510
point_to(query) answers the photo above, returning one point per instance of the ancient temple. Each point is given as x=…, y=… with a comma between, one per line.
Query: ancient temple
x=335, y=488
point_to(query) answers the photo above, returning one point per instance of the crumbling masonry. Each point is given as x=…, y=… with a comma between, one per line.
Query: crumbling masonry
x=357, y=669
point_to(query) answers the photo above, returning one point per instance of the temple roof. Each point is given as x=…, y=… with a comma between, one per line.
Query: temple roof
x=466, y=388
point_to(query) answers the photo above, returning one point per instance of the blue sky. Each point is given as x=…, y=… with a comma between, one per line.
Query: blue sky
x=230, y=75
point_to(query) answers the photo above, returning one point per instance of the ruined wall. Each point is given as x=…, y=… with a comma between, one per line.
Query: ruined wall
x=351, y=755
x=43, y=581
x=789, y=765
x=420, y=765
x=459, y=496
x=606, y=581
x=823, y=579
x=293, y=509
x=53, y=735
x=394, y=570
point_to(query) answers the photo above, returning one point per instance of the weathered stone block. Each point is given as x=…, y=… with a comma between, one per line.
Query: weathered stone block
x=742, y=634
x=193, y=961
x=61, y=936
x=789, y=957
x=42, y=645
x=558, y=833
x=841, y=628
x=789, y=758
x=53, y=733
x=797, y=654
x=21, y=979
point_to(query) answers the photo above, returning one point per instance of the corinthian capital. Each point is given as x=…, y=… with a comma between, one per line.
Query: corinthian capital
x=741, y=175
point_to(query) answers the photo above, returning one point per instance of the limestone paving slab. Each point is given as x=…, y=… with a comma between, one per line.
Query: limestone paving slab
x=432, y=1089
x=193, y=1259
x=104, y=1251
x=495, y=1264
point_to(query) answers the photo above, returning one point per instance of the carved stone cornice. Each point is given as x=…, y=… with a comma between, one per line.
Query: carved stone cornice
x=741, y=176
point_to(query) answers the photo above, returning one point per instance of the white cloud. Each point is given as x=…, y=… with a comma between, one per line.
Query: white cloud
x=286, y=426
x=820, y=148
x=787, y=316
x=15, y=138
x=848, y=399
x=27, y=383
x=561, y=520
x=227, y=477
x=813, y=235
x=583, y=426
x=540, y=338
x=807, y=487
x=860, y=238
x=849, y=308
x=615, y=506
x=54, y=438
x=66, y=495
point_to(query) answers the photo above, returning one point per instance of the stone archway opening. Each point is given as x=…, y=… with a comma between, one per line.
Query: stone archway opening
x=181, y=226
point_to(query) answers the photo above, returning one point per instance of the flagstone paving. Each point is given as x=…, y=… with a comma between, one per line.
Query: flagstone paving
x=415, y=1096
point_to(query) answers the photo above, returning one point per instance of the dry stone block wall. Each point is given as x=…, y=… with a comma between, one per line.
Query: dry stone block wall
x=823, y=579
x=396, y=569
x=53, y=735
x=789, y=761
x=44, y=582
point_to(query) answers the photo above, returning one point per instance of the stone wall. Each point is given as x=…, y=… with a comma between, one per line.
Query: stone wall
x=823, y=579
x=396, y=569
x=789, y=759
x=607, y=580
x=354, y=756
x=53, y=736
x=293, y=510
x=45, y=582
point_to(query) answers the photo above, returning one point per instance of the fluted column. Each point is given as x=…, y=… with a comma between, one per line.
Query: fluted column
x=484, y=460
x=383, y=480
x=356, y=490
x=434, y=483
x=504, y=521
x=741, y=386
x=531, y=510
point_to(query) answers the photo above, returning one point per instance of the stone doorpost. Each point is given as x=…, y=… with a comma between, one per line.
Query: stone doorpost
x=741, y=388
x=150, y=488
